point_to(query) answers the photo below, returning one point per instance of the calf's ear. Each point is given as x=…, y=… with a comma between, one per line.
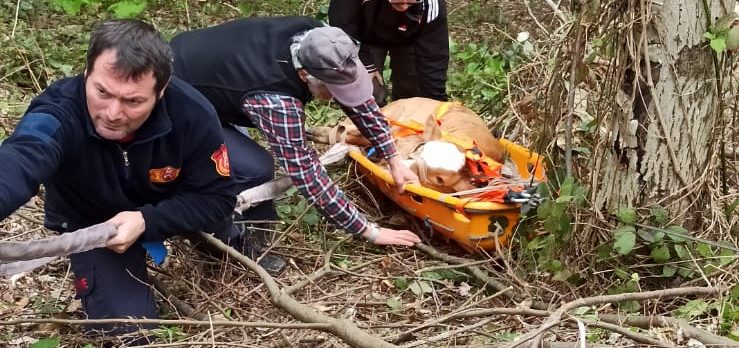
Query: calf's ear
x=431, y=130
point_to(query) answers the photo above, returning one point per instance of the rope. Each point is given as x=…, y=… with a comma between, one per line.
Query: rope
x=25, y=256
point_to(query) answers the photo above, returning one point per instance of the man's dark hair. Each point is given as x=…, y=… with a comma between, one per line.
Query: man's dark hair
x=139, y=49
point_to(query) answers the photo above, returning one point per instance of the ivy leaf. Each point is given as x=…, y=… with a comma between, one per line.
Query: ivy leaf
x=553, y=265
x=311, y=218
x=660, y=214
x=621, y=273
x=651, y=236
x=629, y=306
x=718, y=44
x=626, y=215
x=734, y=293
x=562, y=275
x=51, y=342
x=668, y=271
x=660, y=253
x=705, y=250
x=682, y=252
x=420, y=287
x=625, y=239
x=401, y=283
x=545, y=209
x=394, y=303
x=692, y=309
x=127, y=8
x=676, y=231
x=566, y=188
x=731, y=208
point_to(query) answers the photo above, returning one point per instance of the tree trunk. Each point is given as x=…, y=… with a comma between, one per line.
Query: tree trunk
x=663, y=130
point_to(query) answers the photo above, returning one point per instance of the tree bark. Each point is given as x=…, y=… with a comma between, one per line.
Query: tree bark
x=663, y=132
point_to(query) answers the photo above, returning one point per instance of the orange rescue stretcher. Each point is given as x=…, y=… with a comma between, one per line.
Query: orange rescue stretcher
x=476, y=222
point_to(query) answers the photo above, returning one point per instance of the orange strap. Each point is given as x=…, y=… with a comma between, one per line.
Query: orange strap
x=461, y=202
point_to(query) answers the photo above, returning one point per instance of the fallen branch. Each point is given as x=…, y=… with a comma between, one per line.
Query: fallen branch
x=555, y=317
x=647, y=322
x=480, y=275
x=342, y=328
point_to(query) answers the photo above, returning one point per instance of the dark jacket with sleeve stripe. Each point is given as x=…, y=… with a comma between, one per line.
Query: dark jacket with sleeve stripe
x=167, y=171
x=423, y=26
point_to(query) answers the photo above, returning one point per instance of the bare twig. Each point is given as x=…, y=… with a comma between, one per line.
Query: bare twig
x=575, y=63
x=15, y=21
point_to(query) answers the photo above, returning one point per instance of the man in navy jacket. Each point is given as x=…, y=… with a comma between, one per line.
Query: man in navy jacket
x=126, y=143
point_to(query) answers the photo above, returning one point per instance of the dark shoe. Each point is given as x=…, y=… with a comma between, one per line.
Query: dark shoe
x=251, y=243
x=273, y=264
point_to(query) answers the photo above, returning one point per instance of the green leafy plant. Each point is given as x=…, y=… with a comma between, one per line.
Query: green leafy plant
x=169, y=334
x=478, y=74
x=51, y=342
x=554, y=214
x=670, y=247
x=119, y=9
x=723, y=34
x=629, y=282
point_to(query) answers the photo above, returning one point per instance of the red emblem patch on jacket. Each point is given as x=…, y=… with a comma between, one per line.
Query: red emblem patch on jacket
x=220, y=158
x=163, y=175
x=80, y=284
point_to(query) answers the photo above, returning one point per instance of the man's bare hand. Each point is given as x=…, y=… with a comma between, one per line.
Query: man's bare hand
x=130, y=226
x=389, y=236
x=401, y=173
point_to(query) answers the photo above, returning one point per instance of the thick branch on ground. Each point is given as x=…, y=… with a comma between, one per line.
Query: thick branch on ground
x=555, y=317
x=647, y=322
x=479, y=274
x=344, y=329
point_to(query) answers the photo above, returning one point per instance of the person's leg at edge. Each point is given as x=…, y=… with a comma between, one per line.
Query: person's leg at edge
x=112, y=285
x=403, y=73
